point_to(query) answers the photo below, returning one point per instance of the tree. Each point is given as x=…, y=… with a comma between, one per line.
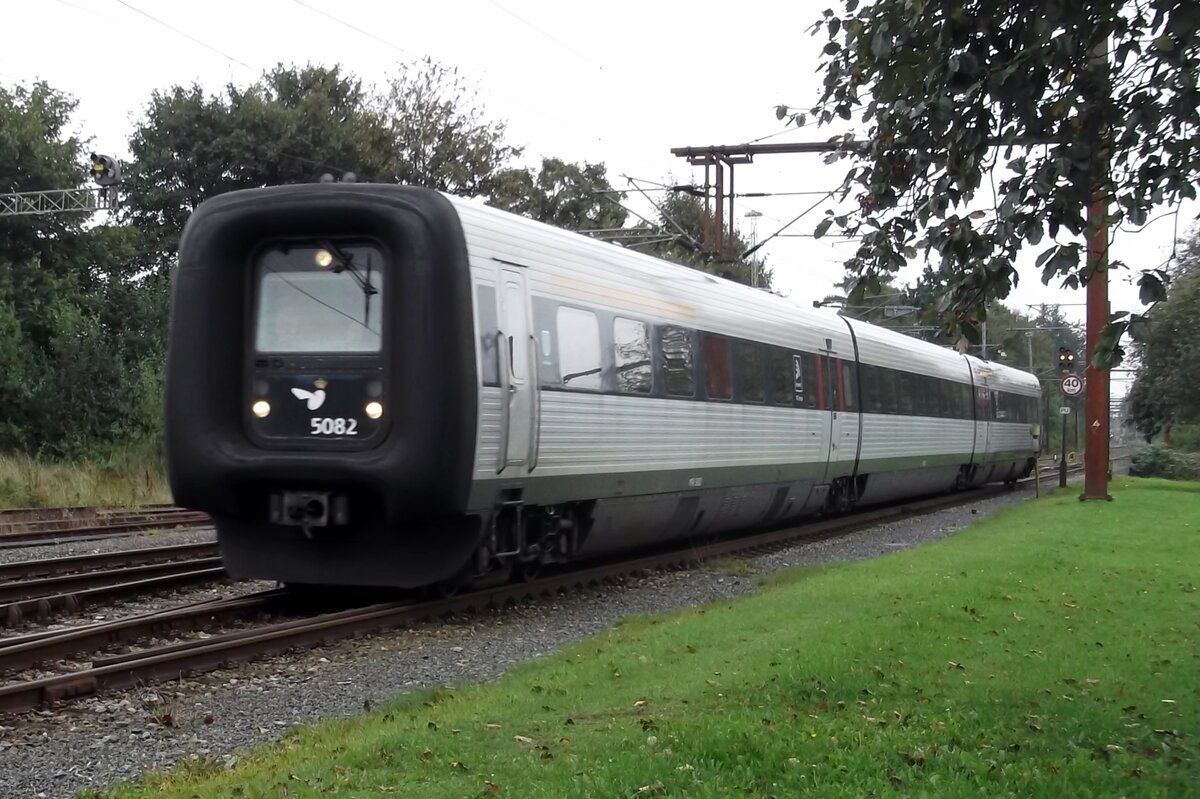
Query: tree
x=290, y=127
x=78, y=340
x=950, y=89
x=295, y=124
x=680, y=228
x=566, y=195
x=441, y=135
x=1167, y=343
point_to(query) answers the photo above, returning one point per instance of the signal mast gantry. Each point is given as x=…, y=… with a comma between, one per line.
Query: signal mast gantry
x=105, y=173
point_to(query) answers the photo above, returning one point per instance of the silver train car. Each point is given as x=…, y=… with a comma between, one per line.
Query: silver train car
x=385, y=385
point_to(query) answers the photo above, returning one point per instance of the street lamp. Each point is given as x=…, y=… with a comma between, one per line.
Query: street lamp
x=753, y=216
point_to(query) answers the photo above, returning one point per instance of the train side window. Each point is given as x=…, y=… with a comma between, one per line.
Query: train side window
x=916, y=397
x=808, y=364
x=983, y=411
x=849, y=387
x=579, y=362
x=718, y=367
x=631, y=348
x=887, y=390
x=927, y=395
x=906, y=393
x=750, y=371
x=485, y=307
x=872, y=401
x=949, y=399
x=783, y=384
x=964, y=401
x=679, y=366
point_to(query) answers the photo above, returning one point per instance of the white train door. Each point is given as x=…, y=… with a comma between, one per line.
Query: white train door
x=518, y=378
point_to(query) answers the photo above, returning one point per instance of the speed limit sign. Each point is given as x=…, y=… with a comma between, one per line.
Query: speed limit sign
x=1072, y=385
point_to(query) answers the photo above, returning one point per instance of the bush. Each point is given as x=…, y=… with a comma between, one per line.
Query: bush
x=1159, y=461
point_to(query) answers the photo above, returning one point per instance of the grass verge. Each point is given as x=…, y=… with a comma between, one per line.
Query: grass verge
x=1050, y=651
x=125, y=478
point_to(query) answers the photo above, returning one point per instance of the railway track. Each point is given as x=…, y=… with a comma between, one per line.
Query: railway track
x=39, y=587
x=110, y=673
x=22, y=526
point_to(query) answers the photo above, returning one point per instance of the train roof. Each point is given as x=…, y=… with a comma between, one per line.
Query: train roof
x=611, y=276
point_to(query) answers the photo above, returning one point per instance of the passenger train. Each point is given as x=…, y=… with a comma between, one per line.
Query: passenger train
x=386, y=385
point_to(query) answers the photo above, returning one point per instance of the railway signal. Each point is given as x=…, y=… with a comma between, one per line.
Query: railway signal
x=1066, y=360
x=104, y=171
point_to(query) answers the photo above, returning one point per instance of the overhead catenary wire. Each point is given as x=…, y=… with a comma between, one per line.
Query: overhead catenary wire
x=794, y=220
x=355, y=28
x=551, y=37
x=186, y=35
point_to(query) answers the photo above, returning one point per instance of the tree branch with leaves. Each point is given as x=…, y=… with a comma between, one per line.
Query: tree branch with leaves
x=1067, y=99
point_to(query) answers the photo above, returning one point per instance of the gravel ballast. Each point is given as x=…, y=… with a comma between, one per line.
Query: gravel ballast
x=94, y=742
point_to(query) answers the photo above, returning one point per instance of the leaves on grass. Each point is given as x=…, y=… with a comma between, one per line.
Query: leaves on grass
x=653, y=789
x=491, y=788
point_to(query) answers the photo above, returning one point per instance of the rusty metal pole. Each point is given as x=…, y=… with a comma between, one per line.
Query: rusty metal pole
x=720, y=206
x=732, y=252
x=708, y=237
x=1096, y=442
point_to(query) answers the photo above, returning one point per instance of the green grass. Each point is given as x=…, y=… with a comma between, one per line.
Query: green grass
x=1051, y=651
x=124, y=479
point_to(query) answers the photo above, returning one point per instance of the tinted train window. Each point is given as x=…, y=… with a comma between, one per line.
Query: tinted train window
x=888, y=395
x=750, y=371
x=678, y=364
x=631, y=350
x=849, y=394
x=927, y=397
x=485, y=307
x=718, y=367
x=783, y=382
x=949, y=398
x=808, y=367
x=906, y=393
x=579, y=360
x=872, y=400
x=316, y=299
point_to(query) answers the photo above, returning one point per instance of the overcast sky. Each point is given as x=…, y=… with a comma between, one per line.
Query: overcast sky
x=617, y=82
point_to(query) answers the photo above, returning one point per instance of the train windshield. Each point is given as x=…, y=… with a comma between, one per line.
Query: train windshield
x=323, y=298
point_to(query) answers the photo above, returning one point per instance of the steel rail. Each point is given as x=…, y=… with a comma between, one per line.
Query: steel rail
x=48, y=567
x=25, y=651
x=194, y=657
x=76, y=583
x=51, y=531
x=12, y=613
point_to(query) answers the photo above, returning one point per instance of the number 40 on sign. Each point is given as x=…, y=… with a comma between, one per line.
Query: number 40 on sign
x=1072, y=385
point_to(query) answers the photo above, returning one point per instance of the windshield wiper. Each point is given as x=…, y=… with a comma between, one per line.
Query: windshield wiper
x=346, y=264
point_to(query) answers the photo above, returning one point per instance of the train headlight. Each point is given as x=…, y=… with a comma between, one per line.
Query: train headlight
x=374, y=409
x=324, y=258
x=261, y=409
